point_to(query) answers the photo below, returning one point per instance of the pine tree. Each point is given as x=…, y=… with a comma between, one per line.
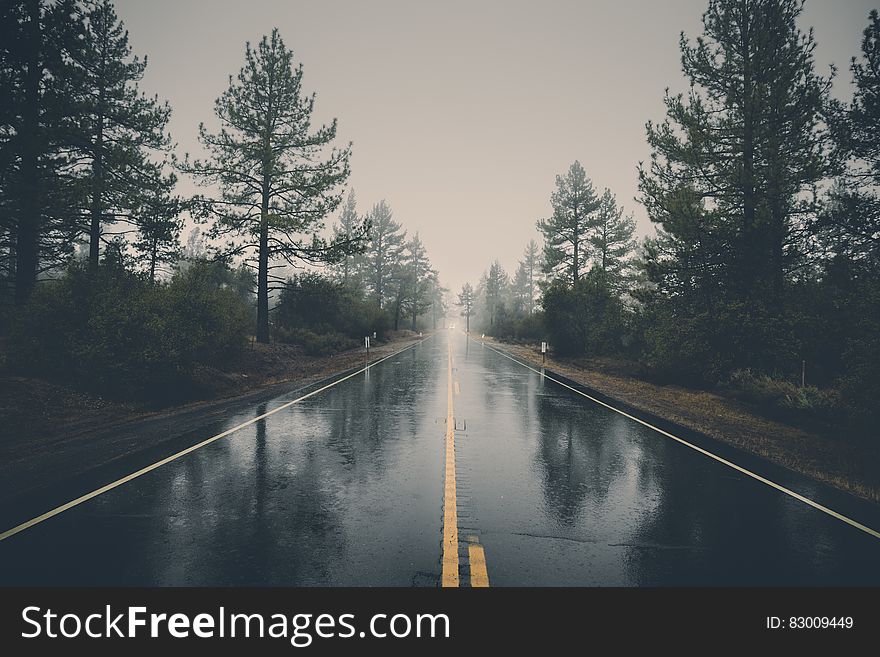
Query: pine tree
x=349, y=229
x=495, y=289
x=735, y=163
x=520, y=289
x=277, y=180
x=533, y=266
x=466, y=300
x=613, y=241
x=382, y=258
x=118, y=127
x=36, y=228
x=566, y=232
x=732, y=182
x=159, y=222
x=417, y=277
x=853, y=216
x=438, y=298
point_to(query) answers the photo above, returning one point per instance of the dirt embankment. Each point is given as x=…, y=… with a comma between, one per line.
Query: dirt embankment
x=850, y=463
x=34, y=409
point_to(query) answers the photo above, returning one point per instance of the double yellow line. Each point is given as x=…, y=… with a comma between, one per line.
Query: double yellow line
x=449, y=574
x=450, y=577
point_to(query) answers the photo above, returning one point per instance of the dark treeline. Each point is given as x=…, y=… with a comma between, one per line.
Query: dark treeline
x=765, y=268
x=95, y=285
x=387, y=283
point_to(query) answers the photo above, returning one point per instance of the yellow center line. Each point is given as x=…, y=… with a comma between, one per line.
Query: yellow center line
x=449, y=575
x=477, y=560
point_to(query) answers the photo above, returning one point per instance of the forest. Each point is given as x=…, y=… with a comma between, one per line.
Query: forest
x=762, y=278
x=98, y=286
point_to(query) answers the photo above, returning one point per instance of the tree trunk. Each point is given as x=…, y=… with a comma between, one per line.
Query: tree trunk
x=263, y=274
x=97, y=189
x=153, y=249
x=27, y=240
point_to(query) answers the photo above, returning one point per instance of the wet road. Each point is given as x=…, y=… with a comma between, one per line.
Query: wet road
x=348, y=486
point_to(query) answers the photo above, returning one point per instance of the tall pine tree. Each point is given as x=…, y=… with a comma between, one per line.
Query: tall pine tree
x=566, y=232
x=466, y=300
x=382, y=258
x=159, y=222
x=732, y=182
x=36, y=227
x=118, y=130
x=736, y=162
x=278, y=181
x=417, y=279
x=612, y=241
x=350, y=229
x=853, y=218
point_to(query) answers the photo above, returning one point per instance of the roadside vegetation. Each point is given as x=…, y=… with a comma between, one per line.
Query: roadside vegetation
x=98, y=289
x=762, y=279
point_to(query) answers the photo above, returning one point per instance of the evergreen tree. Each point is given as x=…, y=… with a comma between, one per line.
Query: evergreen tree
x=613, y=241
x=417, y=279
x=438, y=299
x=532, y=265
x=566, y=232
x=159, y=222
x=277, y=180
x=735, y=163
x=495, y=289
x=520, y=289
x=732, y=182
x=466, y=300
x=118, y=128
x=382, y=259
x=853, y=216
x=349, y=229
x=36, y=229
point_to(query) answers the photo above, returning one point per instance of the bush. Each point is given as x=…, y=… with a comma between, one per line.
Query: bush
x=587, y=319
x=321, y=306
x=118, y=335
x=785, y=399
x=316, y=344
x=519, y=327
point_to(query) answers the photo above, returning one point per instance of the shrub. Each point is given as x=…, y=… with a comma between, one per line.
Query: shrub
x=320, y=305
x=316, y=344
x=785, y=399
x=119, y=335
x=587, y=319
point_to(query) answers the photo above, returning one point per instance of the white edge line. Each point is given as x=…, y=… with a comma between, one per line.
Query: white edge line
x=772, y=484
x=134, y=475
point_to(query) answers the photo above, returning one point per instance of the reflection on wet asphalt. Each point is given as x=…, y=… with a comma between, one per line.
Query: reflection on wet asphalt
x=346, y=488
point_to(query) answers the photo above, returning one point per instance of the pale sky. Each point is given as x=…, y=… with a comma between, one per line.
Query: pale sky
x=461, y=112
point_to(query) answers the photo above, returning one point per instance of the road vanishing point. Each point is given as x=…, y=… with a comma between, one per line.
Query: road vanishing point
x=448, y=463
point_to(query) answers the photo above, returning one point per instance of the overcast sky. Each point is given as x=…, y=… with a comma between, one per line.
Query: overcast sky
x=461, y=112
